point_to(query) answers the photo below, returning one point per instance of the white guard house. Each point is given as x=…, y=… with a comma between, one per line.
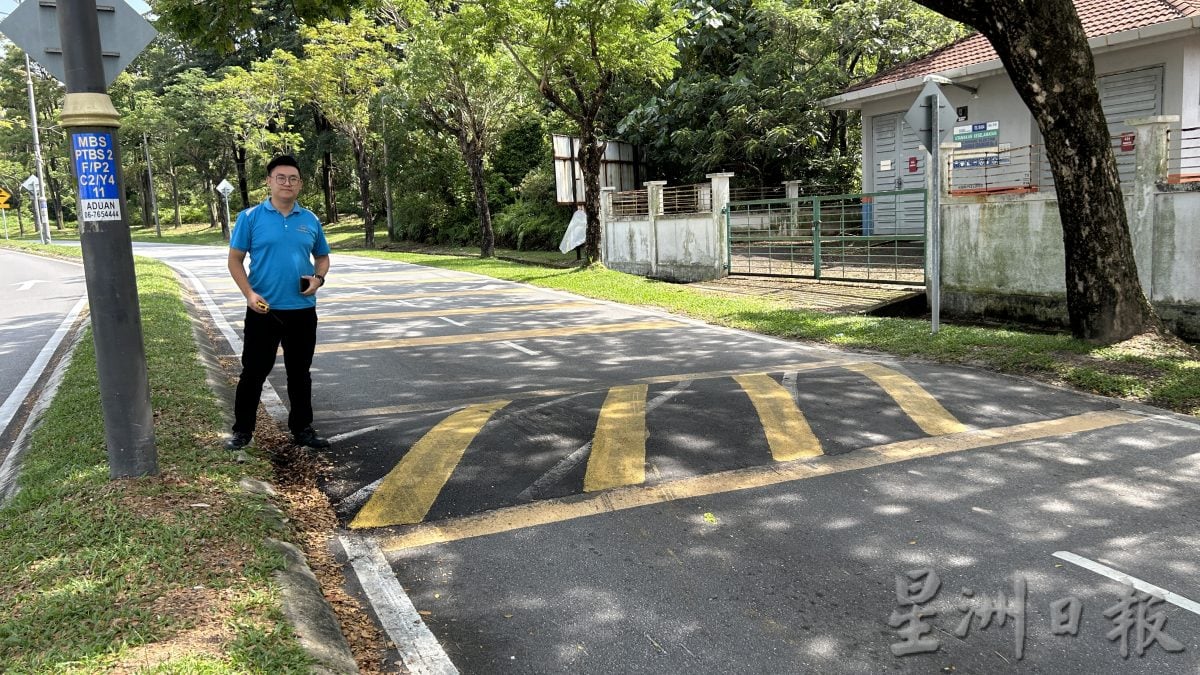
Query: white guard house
x=1001, y=234
x=1147, y=55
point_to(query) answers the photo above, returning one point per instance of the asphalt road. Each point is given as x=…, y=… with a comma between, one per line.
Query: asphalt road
x=563, y=485
x=38, y=296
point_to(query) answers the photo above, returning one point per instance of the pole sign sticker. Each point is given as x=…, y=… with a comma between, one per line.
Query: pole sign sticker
x=96, y=170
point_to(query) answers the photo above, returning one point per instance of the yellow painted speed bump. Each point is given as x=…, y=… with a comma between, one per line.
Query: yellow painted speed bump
x=788, y=433
x=560, y=510
x=917, y=403
x=409, y=490
x=618, y=454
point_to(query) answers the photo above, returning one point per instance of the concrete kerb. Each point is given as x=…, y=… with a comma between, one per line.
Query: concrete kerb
x=304, y=605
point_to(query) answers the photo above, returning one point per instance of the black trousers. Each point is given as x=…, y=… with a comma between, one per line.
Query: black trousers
x=296, y=330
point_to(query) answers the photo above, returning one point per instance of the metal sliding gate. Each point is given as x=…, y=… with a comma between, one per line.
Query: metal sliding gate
x=877, y=237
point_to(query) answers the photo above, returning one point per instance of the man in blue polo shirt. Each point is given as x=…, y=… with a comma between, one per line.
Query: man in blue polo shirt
x=288, y=261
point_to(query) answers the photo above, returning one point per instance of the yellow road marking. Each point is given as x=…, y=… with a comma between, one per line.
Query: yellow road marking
x=410, y=488
x=580, y=506
x=404, y=277
x=917, y=403
x=374, y=297
x=618, y=454
x=788, y=433
x=566, y=391
x=502, y=309
x=495, y=336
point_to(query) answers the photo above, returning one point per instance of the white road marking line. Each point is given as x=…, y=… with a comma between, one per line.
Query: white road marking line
x=560, y=470
x=452, y=321
x=18, y=395
x=520, y=348
x=270, y=398
x=358, y=432
x=20, y=444
x=419, y=649
x=1143, y=586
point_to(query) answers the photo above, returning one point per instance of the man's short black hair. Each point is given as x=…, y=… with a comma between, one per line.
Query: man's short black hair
x=282, y=160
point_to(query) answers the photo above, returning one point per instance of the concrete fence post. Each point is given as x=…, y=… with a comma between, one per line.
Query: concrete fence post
x=720, y=202
x=606, y=216
x=1150, y=156
x=792, y=192
x=654, y=201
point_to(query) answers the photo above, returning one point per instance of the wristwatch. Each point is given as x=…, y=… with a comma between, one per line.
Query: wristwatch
x=321, y=277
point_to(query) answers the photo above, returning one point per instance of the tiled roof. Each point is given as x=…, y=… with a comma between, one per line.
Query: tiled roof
x=1099, y=17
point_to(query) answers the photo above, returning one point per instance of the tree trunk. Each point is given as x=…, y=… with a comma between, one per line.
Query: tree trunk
x=323, y=128
x=209, y=201
x=1045, y=51
x=331, y=214
x=175, y=194
x=590, y=153
x=362, y=161
x=472, y=151
x=56, y=193
x=239, y=160
x=20, y=220
x=144, y=179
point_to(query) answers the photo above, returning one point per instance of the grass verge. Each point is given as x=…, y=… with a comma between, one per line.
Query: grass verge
x=167, y=573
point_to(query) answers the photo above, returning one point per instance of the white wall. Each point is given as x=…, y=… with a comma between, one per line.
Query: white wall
x=687, y=247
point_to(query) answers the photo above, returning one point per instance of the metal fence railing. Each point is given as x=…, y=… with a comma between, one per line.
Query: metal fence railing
x=753, y=193
x=1183, y=160
x=681, y=199
x=1023, y=169
x=631, y=203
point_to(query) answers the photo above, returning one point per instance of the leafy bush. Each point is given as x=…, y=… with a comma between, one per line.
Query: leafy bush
x=535, y=222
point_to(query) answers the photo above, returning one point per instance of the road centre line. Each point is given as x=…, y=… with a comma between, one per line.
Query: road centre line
x=410, y=488
x=917, y=403
x=618, y=454
x=458, y=311
x=1143, y=586
x=788, y=434
x=494, y=336
x=383, y=411
x=619, y=499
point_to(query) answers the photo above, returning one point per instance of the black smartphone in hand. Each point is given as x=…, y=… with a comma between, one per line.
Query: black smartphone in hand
x=305, y=282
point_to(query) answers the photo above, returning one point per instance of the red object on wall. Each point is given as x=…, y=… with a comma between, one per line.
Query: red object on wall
x=912, y=164
x=1127, y=139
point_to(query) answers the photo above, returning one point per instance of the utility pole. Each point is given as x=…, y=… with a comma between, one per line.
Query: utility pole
x=41, y=213
x=91, y=122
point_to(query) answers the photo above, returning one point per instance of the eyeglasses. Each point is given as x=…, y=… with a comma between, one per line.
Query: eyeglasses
x=285, y=180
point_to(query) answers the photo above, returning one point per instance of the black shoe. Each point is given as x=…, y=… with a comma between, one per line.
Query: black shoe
x=309, y=439
x=238, y=440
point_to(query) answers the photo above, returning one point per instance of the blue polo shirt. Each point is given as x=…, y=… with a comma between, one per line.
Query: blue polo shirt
x=281, y=250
